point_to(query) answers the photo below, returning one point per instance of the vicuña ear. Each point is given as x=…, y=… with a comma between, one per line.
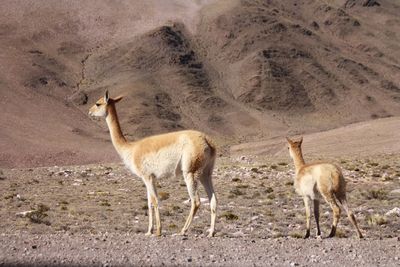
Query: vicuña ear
x=301, y=140
x=106, y=97
x=289, y=141
x=118, y=98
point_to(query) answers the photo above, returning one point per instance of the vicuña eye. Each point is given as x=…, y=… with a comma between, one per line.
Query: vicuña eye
x=97, y=104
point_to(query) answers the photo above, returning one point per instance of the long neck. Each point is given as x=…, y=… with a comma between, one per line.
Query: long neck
x=298, y=159
x=117, y=137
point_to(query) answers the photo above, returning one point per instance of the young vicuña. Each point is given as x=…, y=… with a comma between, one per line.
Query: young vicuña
x=188, y=153
x=325, y=178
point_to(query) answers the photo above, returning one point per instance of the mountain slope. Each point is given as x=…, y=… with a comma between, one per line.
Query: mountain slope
x=238, y=70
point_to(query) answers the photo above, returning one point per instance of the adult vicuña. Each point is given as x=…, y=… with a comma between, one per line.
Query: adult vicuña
x=187, y=153
x=325, y=178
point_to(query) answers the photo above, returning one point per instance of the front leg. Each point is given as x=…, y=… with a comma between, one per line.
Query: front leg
x=150, y=214
x=152, y=192
x=308, y=215
x=316, y=215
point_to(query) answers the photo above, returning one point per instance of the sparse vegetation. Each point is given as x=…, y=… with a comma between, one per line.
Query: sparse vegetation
x=271, y=196
x=296, y=235
x=39, y=214
x=124, y=204
x=376, y=219
x=269, y=190
x=236, y=192
x=172, y=226
x=104, y=203
x=256, y=170
x=380, y=194
x=230, y=216
x=340, y=233
x=163, y=195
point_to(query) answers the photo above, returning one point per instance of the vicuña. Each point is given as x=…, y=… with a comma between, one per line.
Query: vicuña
x=325, y=178
x=190, y=154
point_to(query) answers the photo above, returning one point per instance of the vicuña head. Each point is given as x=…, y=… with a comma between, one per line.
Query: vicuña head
x=103, y=105
x=325, y=179
x=190, y=154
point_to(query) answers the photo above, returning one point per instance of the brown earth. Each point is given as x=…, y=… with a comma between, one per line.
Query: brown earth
x=238, y=70
x=97, y=215
x=247, y=73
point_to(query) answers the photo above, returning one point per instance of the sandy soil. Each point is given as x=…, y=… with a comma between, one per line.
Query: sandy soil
x=126, y=250
x=96, y=214
x=248, y=73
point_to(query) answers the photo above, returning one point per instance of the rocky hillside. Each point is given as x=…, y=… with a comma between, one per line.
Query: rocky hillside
x=239, y=70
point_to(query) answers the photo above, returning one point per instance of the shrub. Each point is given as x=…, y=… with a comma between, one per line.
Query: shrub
x=376, y=194
x=376, y=219
x=228, y=215
x=39, y=214
x=163, y=195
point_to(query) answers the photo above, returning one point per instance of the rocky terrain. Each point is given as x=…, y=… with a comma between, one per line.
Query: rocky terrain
x=96, y=214
x=246, y=72
x=239, y=70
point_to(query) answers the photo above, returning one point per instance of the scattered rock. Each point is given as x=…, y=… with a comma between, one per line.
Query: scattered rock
x=24, y=213
x=396, y=191
x=394, y=211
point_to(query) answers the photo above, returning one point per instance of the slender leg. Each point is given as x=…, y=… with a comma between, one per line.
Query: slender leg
x=191, y=183
x=150, y=214
x=308, y=215
x=336, y=213
x=154, y=202
x=316, y=215
x=208, y=186
x=351, y=217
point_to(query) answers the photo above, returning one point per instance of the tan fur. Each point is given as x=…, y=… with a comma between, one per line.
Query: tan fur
x=188, y=153
x=325, y=179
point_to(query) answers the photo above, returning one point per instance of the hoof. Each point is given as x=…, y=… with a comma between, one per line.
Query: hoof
x=319, y=237
x=182, y=233
x=307, y=235
x=333, y=232
x=148, y=234
x=211, y=233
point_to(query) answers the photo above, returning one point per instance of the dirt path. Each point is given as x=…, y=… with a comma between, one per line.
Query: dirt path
x=136, y=249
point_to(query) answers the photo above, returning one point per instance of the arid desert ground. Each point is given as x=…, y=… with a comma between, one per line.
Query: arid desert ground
x=246, y=72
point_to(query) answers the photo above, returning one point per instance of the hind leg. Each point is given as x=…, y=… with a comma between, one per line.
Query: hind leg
x=150, y=214
x=336, y=212
x=316, y=215
x=308, y=215
x=191, y=183
x=351, y=217
x=208, y=186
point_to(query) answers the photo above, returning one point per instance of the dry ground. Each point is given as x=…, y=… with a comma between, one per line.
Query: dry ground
x=96, y=214
x=241, y=71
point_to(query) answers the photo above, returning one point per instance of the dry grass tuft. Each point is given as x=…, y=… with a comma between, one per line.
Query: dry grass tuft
x=163, y=195
x=228, y=215
x=376, y=194
x=377, y=219
x=39, y=214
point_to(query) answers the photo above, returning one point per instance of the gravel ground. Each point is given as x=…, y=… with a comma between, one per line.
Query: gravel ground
x=122, y=249
x=97, y=215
